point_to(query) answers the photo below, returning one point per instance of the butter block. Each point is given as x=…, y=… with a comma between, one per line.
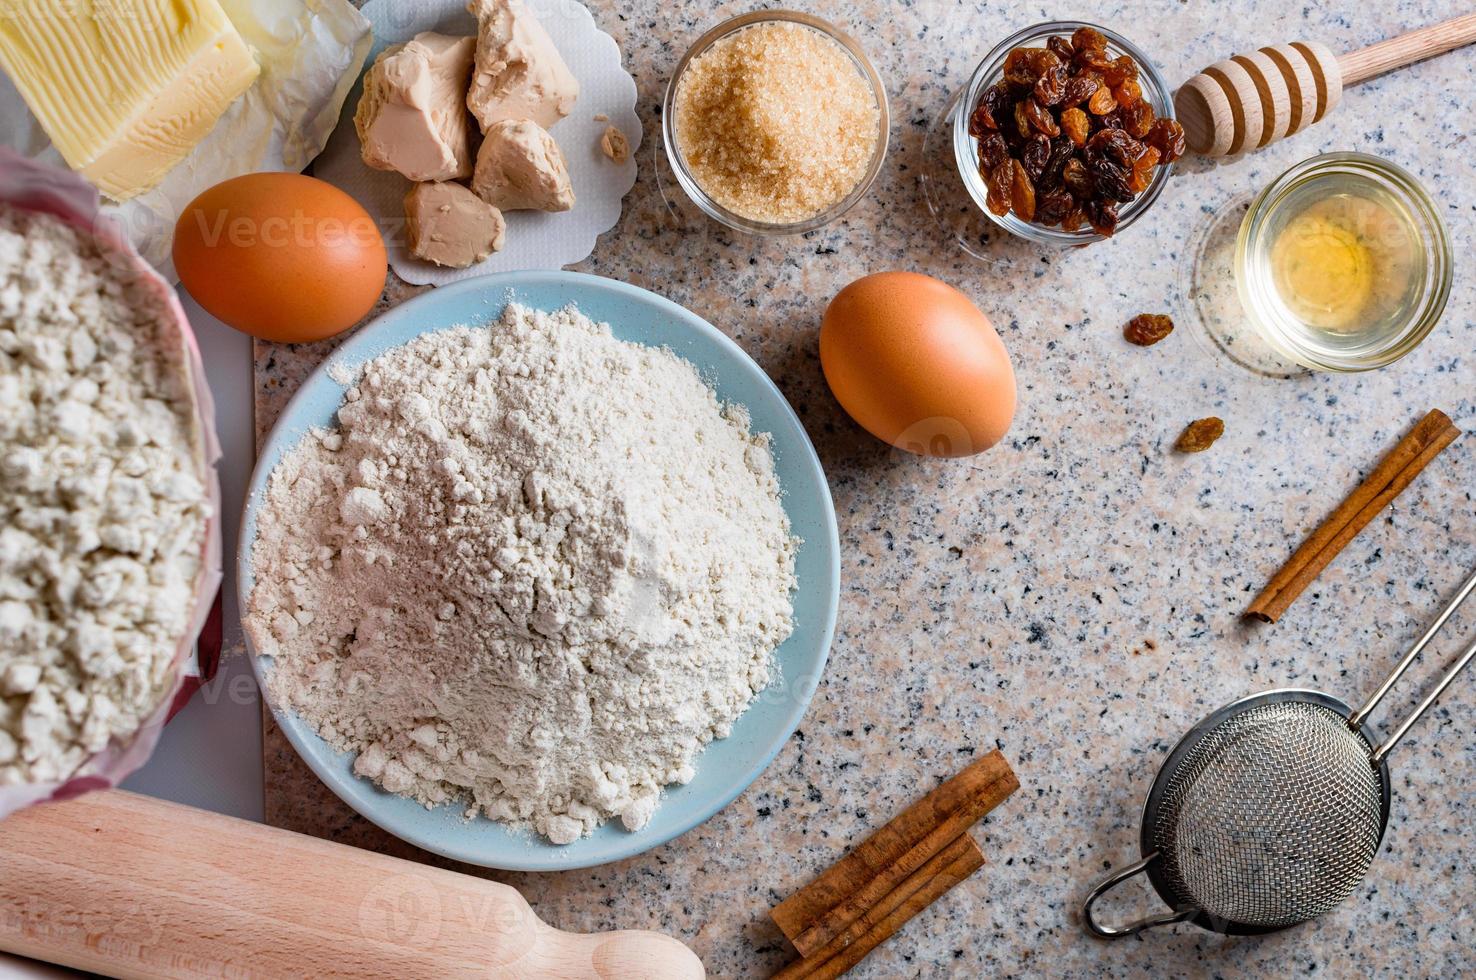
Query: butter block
x=412, y=117
x=520, y=168
x=125, y=90
x=451, y=226
x=519, y=74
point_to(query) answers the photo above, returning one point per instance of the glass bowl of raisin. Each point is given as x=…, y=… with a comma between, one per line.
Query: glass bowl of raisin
x=1066, y=133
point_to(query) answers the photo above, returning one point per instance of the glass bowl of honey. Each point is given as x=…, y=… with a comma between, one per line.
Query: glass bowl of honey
x=1343, y=263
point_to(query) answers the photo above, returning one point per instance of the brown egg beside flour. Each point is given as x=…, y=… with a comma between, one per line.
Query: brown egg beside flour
x=917, y=365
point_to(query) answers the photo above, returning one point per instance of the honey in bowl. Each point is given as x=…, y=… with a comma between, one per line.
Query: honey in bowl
x=1343, y=263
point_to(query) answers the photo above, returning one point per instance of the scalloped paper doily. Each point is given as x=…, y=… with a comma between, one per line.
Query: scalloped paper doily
x=535, y=240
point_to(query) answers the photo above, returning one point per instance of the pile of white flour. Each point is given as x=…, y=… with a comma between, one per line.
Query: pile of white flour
x=102, y=506
x=535, y=568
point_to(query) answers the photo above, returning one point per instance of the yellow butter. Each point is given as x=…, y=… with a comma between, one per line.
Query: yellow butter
x=124, y=88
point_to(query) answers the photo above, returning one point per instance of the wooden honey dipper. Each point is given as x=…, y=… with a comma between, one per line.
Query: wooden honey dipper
x=1250, y=100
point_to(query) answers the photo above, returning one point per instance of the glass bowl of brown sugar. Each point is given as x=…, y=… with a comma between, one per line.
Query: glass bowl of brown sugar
x=775, y=123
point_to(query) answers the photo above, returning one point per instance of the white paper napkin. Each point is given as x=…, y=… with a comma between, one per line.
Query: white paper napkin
x=535, y=240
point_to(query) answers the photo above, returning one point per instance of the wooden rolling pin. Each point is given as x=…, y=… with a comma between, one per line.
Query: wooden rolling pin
x=130, y=886
x=1250, y=100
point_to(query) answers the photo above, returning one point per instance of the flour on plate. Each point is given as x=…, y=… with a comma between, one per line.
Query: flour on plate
x=102, y=505
x=534, y=568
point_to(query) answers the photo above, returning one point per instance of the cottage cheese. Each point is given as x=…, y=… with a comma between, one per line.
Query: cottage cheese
x=102, y=503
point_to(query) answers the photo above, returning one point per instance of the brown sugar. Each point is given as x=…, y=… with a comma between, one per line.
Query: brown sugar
x=776, y=122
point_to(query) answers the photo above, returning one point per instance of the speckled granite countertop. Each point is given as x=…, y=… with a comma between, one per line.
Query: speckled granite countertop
x=1072, y=595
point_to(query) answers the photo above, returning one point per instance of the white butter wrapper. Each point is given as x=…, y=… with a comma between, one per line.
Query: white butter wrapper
x=310, y=52
x=534, y=240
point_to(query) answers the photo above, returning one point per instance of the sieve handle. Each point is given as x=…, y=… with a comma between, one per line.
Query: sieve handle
x=1425, y=705
x=1133, y=928
x=1362, y=713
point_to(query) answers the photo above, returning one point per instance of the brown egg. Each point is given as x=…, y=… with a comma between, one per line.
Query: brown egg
x=280, y=256
x=914, y=362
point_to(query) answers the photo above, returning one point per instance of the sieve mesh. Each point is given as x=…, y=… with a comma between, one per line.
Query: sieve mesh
x=1272, y=818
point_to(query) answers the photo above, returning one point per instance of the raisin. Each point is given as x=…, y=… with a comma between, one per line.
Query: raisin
x=1075, y=125
x=1113, y=120
x=1074, y=220
x=1022, y=120
x=988, y=111
x=1023, y=66
x=1102, y=215
x=1088, y=39
x=1022, y=194
x=1199, y=435
x=1079, y=89
x=1000, y=183
x=1114, y=144
x=1137, y=119
x=1168, y=136
x=1040, y=118
x=1060, y=47
x=980, y=122
x=1076, y=179
x=1049, y=210
x=1050, y=88
x=992, y=150
x=1017, y=73
x=1120, y=70
x=1037, y=156
x=1092, y=58
x=1110, y=180
x=1147, y=329
x=1101, y=102
x=1142, y=172
x=1128, y=93
x=1062, y=150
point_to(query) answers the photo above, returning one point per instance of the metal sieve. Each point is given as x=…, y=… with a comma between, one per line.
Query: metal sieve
x=1269, y=812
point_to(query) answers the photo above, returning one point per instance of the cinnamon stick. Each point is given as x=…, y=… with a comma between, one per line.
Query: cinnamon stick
x=924, y=886
x=822, y=910
x=1389, y=479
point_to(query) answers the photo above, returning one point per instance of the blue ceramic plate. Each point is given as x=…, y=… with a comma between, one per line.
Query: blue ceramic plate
x=726, y=767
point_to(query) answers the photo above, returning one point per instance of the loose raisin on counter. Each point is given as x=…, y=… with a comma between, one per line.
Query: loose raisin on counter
x=1199, y=435
x=1147, y=329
